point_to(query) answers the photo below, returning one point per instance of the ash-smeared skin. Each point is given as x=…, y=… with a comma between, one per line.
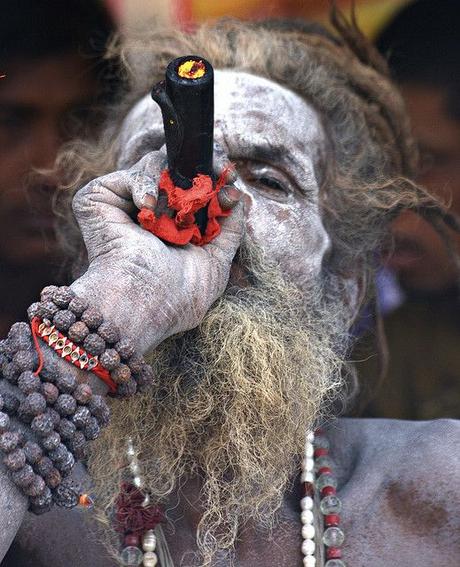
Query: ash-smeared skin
x=152, y=290
x=397, y=480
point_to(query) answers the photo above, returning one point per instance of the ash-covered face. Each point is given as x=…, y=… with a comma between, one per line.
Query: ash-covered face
x=276, y=141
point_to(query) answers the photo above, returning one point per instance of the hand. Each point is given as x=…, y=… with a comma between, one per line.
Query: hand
x=149, y=289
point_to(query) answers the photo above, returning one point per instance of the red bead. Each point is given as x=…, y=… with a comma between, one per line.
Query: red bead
x=132, y=540
x=332, y=520
x=328, y=491
x=319, y=431
x=333, y=553
x=325, y=470
x=320, y=452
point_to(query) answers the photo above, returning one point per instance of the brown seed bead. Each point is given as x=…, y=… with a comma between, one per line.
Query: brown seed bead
x=15, y=460
x=10, y=403
x=110, y=359
x=42, y=425
x=49, y=392
x=78, y=332
x=32, y=452
x=48, y=292
x=121, y=374
x=66, y=495
x=44, y=466
x=29, y=383
x=10, y=372
x=63, y=296
x=36, y=487
x=81, y=417
x=92, y=317
x=125, y=348
x=59, y=454
x=1, y=402
x=25, y=360
x=77, y=445
x=66, y=465
x=9, y=441
x=93, y=344
x=64, y=319
x=92, y=429
x=53, y=479
x=127, y=389
x=51, y=441
x=43, y=503
x=78, y=305
x=4, y=422
x=34, y=310
x=66, y=382
x=99, y=409
x=48, y=310
x=33, y=405
x=66, y=429
x=55, y=417
x=136, y=363
x=19, y=336
x=109, y=332
x=65, y=405
x=145, y=378
x=83, y=393
x=23, y=477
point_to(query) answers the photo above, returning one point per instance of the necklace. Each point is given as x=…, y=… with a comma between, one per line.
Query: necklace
x=320, y=486
x=140, y=520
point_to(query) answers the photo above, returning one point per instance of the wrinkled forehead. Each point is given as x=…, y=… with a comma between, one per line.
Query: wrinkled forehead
x=246, y=107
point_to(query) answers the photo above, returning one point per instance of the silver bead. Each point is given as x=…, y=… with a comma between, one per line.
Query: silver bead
x=150, y=559
x=335, y=563
x=323, y=461
x=131, y=556
x=330, y=505
x=324, y=480
x=134, y=468
x=149, y=541
x=321, y=443
x=333, y=537
x=137, y=481
x=308, y=547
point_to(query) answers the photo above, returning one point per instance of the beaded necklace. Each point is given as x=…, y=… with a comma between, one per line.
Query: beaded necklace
x=320, y=487
x=145, y=542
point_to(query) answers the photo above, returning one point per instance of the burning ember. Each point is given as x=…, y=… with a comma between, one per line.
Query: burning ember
x=191, y=69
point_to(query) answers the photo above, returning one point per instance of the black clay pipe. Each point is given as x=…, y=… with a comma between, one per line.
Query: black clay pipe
x=186, y=99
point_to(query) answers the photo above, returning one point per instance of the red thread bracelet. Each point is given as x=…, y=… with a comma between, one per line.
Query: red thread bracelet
x=67, y=350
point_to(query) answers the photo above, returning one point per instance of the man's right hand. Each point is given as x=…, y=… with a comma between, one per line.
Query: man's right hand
x=149, y=289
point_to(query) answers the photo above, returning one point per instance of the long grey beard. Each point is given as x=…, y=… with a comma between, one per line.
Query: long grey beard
x=233, y=402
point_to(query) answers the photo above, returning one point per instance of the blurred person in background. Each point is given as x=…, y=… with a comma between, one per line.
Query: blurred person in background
x=54, y=79
x=422, y=44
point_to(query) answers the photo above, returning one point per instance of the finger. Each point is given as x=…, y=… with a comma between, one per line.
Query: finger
x=144, y=178
x=224, y=247
x=229, y=196
x=222, y=163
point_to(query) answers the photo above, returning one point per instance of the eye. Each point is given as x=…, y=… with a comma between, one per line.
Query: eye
x=266, y=179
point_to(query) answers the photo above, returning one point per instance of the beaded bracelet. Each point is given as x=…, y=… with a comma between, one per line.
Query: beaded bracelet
x=79, y=334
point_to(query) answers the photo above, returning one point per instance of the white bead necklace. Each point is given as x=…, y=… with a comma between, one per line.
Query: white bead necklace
x=319, y=486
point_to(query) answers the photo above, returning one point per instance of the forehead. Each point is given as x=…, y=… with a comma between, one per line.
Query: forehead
x=246, y=105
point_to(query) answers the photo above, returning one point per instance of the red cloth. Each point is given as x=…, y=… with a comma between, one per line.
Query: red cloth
x=182, y=229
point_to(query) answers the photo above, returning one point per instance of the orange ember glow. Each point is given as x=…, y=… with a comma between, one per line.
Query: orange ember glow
x=191, y=69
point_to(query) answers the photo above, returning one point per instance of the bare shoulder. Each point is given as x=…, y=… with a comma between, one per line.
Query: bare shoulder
x=399, y=483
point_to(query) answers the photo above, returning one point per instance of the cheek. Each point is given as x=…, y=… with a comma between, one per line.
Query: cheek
x=292, y=235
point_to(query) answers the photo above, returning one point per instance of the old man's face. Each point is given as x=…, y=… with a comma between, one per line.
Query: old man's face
x=276, y=141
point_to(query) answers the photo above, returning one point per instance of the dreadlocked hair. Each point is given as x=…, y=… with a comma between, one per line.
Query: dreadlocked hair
x=371, y=155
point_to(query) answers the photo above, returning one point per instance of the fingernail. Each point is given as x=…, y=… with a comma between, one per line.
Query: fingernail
x=150, y=201
x=229, y=196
